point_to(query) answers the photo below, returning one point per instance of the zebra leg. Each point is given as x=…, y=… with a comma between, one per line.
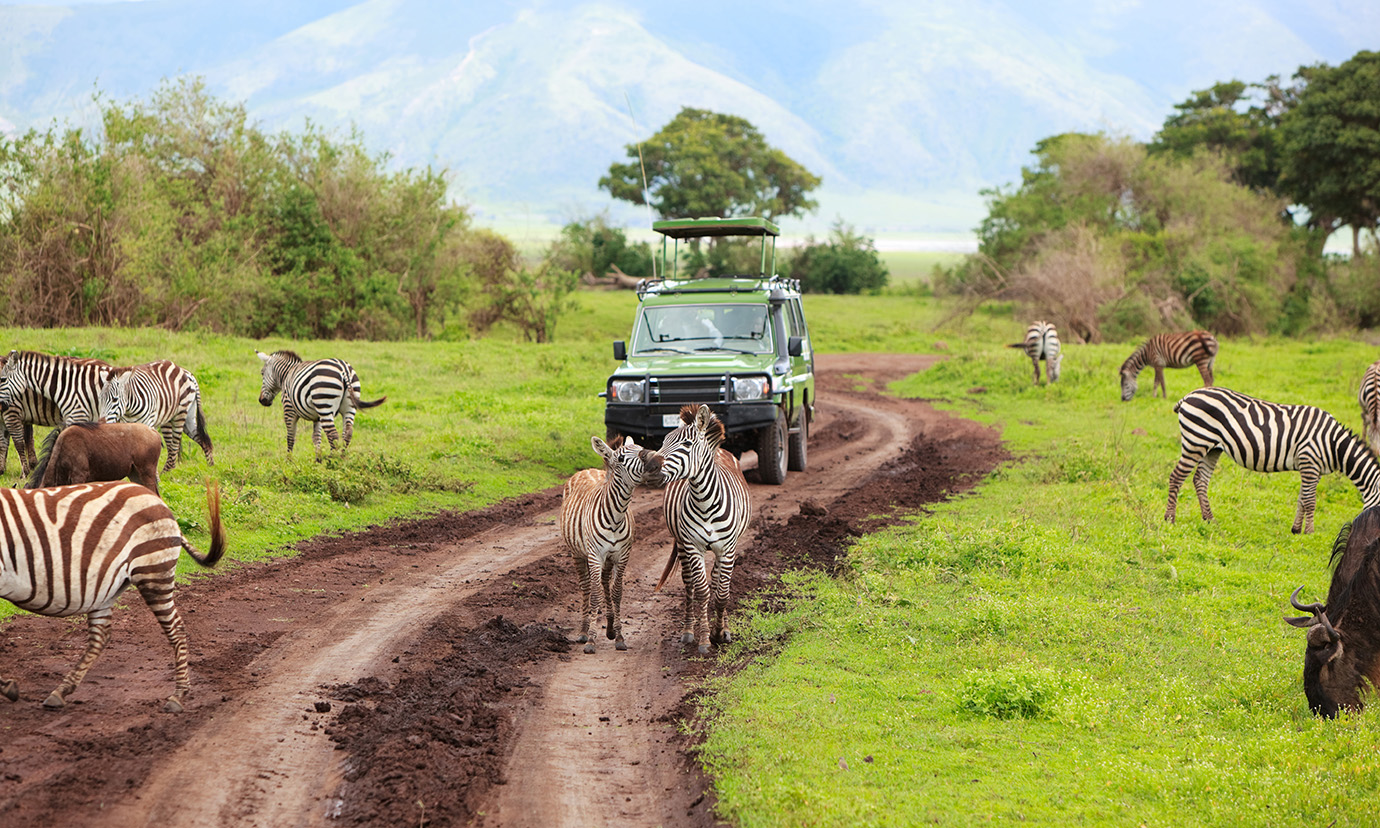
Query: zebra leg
x=614, y=598
x=1205, y=371
x=1308, y=497
x=290, y=420
x=157, y=592
x=1188, y=460
x=1201, y=478
x=723, y=577
x=331, y=434
x=172, y=444
x=97, y=631
x=582, y=569
x=1159, y=383
x=1036, y=362
x=696, y=578
x=316, y=439
x=348, y=422
x=595, y=564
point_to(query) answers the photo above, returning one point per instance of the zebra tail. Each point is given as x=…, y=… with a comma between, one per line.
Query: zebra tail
x=1016, y=345
x=45, y=454
x=212, y=557
x=370, y=404
x=202, y=438
x=666, y=573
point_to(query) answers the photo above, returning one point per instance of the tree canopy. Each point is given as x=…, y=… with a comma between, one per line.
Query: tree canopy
x=705, y=163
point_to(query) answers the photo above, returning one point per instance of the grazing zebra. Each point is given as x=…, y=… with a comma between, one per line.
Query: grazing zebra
x=72, y=550
x=314, y=391
x=1368, y=396
x=1042, y=342
x=1267, y=437
x=597, y=531
x=162, y=396
x=42, y=389
x=707, y=510
x=1169, y=350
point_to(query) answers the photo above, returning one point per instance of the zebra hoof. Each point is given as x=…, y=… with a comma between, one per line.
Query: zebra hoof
x=10, y=690
x=172, y=705
x=589, y=648
x=704, y=649
x=54, y=701
x=582, y=639
x=724, y=637
x=620, y=644
x=687, y=638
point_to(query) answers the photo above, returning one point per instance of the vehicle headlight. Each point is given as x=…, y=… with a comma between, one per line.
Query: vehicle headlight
x=751, y=388
x=629, y=390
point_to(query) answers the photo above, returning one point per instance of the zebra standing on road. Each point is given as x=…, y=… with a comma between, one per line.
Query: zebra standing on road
x=1169, y=350
x=1042, y=342
x=707, y=510
x=162, y=396
x=314, y=391
x=42, y=389
x=1369, y=397
x=598, y=532
x=72, y=550
x=1267, y=437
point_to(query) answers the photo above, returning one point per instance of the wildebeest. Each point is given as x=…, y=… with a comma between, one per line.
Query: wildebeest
x=94, y=452
x=1343, y=652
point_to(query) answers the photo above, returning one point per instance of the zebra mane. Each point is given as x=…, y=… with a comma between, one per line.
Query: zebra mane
x=714, y=433
x=289, y=354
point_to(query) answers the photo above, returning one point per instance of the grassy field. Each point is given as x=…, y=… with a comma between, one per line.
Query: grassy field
x=1047, y=649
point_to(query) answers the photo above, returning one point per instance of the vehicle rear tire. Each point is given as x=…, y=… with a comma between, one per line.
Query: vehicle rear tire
x=797, y=445
x=771, y=452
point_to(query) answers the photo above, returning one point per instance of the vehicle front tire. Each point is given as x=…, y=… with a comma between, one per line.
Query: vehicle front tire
x=771, y=452
x=798, y=445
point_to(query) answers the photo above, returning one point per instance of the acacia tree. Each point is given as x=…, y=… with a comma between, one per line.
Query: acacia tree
x=1331, y=145
x=704, y=163
x=1236, y=119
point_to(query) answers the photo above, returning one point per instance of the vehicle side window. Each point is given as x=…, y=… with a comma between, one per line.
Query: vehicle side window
x=797, y=319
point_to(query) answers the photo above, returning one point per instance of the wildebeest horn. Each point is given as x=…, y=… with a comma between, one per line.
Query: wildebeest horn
x=1318, y=612
x=1310, y=608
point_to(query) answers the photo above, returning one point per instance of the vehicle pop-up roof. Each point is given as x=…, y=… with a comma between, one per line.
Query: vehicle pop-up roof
x=699, y=228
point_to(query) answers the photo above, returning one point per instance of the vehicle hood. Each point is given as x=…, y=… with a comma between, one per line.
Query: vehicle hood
x=707, y=363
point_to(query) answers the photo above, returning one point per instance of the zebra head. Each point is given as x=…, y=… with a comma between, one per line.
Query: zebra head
x=7, y=371
x=691, y=446
x=274, y=371
x=1128, y=385
x=631, y=463
x=111, y=406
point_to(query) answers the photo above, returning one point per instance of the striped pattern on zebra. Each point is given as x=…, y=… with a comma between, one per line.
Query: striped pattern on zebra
x=72, y=550
x=163, y=396
x=314, y=391
x=598, y=532
x=1042, y=342
x=707, y=510
x=1368, y=395
x=1267, y=437
x=47, y=390
x=1169, y=350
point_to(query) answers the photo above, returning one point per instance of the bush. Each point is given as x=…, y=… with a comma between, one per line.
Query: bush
x=846, y=263
x=591, y=247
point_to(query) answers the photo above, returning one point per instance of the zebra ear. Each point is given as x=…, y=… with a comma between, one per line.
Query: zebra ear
x=602, y=448
x=260, y=355
x=702, y=418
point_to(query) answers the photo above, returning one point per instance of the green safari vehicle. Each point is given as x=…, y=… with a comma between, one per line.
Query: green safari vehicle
x=735, y=342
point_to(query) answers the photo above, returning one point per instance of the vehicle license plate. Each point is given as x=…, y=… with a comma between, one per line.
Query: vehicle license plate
x=670, y=420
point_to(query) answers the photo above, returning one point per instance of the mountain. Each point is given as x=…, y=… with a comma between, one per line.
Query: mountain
x=905, y=109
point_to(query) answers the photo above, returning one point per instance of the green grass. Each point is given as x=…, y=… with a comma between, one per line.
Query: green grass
x=1047, y=649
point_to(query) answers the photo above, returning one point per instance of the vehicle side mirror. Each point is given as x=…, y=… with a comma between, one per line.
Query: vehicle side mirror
x=620, y=350
x=795, y=346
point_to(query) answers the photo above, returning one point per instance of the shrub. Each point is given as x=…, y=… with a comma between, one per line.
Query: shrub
x=846, y=263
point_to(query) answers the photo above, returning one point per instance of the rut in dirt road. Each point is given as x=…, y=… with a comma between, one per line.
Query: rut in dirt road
x=457, y=708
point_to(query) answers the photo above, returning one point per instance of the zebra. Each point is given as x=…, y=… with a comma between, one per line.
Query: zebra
x=1042, y=342
x=1369, y=397
x=707, y=510
x=162, y=396
x=72, y=550
x=1169, y=350
x=598, y=532
x=314, y=391
x=47, y=390
x=1267, y=437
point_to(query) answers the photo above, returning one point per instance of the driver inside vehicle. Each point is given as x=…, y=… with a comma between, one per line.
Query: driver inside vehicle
x=679, y=324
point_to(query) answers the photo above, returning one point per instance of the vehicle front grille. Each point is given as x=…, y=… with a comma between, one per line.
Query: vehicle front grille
x=681, y=390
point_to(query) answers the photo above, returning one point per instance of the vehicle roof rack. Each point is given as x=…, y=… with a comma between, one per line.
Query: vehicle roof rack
x=692, y=228
x=724, y=284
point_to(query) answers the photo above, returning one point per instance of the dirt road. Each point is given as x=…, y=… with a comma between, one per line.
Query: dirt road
x=420, y=673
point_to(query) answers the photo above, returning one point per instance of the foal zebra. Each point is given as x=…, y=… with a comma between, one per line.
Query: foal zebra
x=162, y=396
x=72, y=550
x=314, y=391
x=1368, y=395
x=597, y=531
x=42, y=389
x=1169, y=350
x=1042, y=342
x=707, y=510
x=1267, y=437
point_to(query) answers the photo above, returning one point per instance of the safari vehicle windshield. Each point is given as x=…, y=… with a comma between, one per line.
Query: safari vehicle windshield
x=735, y=328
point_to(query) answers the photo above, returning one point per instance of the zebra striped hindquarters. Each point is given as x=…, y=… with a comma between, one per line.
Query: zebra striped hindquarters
x=42, y=389
x=1368, y=395
x=1267, y=437
x=313, y=391
x=598, y=532
x=1042, y=342
x=162, y=396
x=707, y=510
x=72, y=550
x=1169, y=350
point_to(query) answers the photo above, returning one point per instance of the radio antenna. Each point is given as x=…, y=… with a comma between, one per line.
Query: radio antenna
x=642, y=165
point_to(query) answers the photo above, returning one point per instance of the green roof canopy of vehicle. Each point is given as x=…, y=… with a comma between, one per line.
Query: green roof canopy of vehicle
x=692, y=228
